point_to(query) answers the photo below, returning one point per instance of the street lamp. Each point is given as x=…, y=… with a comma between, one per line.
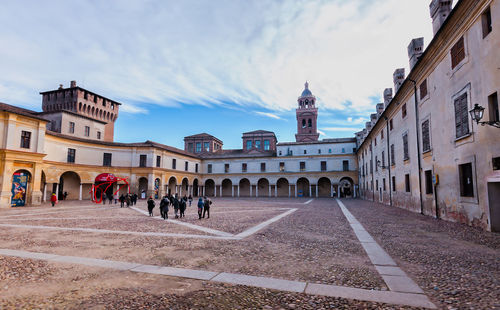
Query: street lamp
x=477, y=114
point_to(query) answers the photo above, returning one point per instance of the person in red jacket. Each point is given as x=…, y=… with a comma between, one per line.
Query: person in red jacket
x=53, y=199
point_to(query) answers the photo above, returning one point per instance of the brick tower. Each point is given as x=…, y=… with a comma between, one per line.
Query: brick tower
x=307, y=117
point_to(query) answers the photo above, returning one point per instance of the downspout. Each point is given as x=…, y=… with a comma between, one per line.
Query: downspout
x=371, y=171
x=418, y=147
x=388, y=160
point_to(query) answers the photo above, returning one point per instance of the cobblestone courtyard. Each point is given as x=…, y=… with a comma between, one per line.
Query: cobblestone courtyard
x=289, y=253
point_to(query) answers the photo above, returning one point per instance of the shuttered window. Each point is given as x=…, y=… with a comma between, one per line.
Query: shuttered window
x=461, y=116
x=457, y=53
x=423, y=89
x=406, y=154
x=393, y=161
x=426, y=138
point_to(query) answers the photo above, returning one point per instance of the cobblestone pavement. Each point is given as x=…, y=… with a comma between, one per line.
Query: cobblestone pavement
x=313, y=244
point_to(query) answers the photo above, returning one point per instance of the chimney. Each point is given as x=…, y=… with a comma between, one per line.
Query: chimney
x=398, y=77
x=415, y=50
x=439, y=9
x=61, y=86
x=387, y=96
x=72, y=84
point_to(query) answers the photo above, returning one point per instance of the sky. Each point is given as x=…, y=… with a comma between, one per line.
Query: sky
x=222, y=67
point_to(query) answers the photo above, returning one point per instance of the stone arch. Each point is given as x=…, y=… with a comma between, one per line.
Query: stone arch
x=69, y=182
x=143, y=187
x=172, y=185
x=324, y=187
x=195, y=188
x=209, y=187
x=93, y=111
x=21, y=188
x=88, y=110
x=100, y=113
x=303, y=187
x=263, y=187
x=184, y=187
x=346, y=187
x=227, y=188
x=244, y=187
x=282, y=187
x=107, y=116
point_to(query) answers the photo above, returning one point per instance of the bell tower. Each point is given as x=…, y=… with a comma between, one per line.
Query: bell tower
x=307, y=117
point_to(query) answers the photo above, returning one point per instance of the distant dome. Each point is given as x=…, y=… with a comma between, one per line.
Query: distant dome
x=306, y=92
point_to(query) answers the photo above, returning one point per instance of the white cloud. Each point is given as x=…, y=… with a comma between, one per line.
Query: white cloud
x=248, y=53
x=348, y=129
x=267, y=114
x=322, y=133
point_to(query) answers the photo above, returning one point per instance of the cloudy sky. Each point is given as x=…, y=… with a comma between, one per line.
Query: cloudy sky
x=216, y=66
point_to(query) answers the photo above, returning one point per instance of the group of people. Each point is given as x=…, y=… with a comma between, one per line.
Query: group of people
x=129, y=199
x=179, y=205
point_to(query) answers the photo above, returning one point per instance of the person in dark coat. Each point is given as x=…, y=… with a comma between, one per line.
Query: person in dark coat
x=151, y=205
x=104, y=197
x=127, y=200
x=176, y=207
x=110, y=199
x=164, y=207
x=182, y=206
x=190, y=198
x=122, y=200
x=206, y=207
x=200, y=207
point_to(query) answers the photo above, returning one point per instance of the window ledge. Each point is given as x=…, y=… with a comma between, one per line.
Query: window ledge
x=463, y=137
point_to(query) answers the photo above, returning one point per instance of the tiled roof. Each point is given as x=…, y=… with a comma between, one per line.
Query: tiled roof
x=17, y=110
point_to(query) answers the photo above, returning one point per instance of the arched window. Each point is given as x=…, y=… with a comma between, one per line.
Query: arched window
x=309, y=123
x=303, y=123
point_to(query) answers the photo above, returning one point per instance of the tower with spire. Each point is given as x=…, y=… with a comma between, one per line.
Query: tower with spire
x=307, y=117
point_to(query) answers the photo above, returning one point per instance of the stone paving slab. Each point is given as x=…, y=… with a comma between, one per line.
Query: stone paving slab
x=262, y=225
x=176, y=272
x=24, y=254
x=94, y=262
x=402, y=284
x=377, y=255
x=390, y=271
x=414, y=300
x=271, y=283
x=363, y=236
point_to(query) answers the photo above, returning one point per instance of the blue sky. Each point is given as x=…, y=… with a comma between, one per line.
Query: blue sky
x=221, y=67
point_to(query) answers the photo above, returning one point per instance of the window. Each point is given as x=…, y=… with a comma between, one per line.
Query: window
x=190, y=147
x=25, y=139
x=206, y=146
x=393, y=183
x=426, y=138
x=493, y=107
x=403, y=110
x=376, y=184
x=98, y=135
x=71, y=155
x=390, y=125
x=158, y=161
x=142, y=160
x=319, y=151
x=71, y=127
x=303, y=123
x=282, y=166
x=186, y=166
x=457, y=53
x=226, y=168
x=257, y=144
x=249, y=144
x=95, y=99
x=496, y=163
x=106, y=159
x=87, y=131
x=305, y=151
x=343, y=150
x=323, y=166
x=382, y=134
x=329, y=151
x=393, y=161
x=423, y=89
x=466, y=183
x=209, y=168
x=486, y=21
x=406, y=154
x=262, y=167
x=266, y=145
x=376, y=161
x=383, y=184
x=345, y=165
x=174, y=163
x=243, y=167
x=375, y=140
x=461, y=116
x=407, y=183
x=428, y=182
x=103, y=102
x=309, y=123
x=85, y=95
x=196, y=168
x=383, y=159
x=198, y=147
x=302, y=166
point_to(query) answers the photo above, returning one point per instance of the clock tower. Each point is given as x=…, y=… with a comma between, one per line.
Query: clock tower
x=307, y=117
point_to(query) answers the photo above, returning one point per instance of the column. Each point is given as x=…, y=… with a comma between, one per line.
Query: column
x=57, y=190
x=276, y=190
x=295, y=190
x=310, y=190
x=269, y=190
x=203, y=190
x=45, y=192
x=257, y=190
x=331, y=190
x=289, y=189
x=251, y=189
x=238, y=190
x=80, y=194
x=215, y=190
x=232, y=190
x=220, y=190
x=338, y=191
x=316, y=190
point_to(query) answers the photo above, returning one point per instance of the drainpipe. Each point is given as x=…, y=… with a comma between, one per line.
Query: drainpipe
x=371, y=170
x=388, y=160
x=418, y=147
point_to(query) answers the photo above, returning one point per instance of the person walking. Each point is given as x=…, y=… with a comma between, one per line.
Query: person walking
x=176, y=206
x=122, y=200
x=134, y=199
x=164, y=207
x=127, y=200
x=103, y=198
x=110, y=198
x=116, y=197
x=190, y=198
x=151, y=205
x=200, y=207
x=206, y=207
x=53, y=199
x=182, y=206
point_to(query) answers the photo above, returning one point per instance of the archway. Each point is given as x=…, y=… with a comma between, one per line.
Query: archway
x=227, y=188
x=244, y=187
x=263, y=187
x=346, y=187
x=185, y=187
x=21, y=186
x=303, y=187
x=172, y=184
x=195, y=188
x=209, y=187
x=324, y=187
x=282, y=187
x=69, y=186
x=143, y=187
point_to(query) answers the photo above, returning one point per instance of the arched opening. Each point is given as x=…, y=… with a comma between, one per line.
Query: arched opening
x=69, y=186
x=227, y=188
x=100, y=113
x=143, y=187
x=184, y=187
x=93, y=110
x=309, y=123
x=88, y=110
x=172, y=186
x=21, y=185
x=346, y=187
x=303, y=123
x=195, y=188
x=209, y=187
x=303, y=187
x=157, y=188
x=324, y=187
x=282, y=187
x=263, y=187
x=244, y=188
x=107, y=116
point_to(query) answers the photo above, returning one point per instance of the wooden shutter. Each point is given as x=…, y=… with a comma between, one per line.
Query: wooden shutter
x=405, y=146
x=461, y=116
x=426, y=142
x=457, y=53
